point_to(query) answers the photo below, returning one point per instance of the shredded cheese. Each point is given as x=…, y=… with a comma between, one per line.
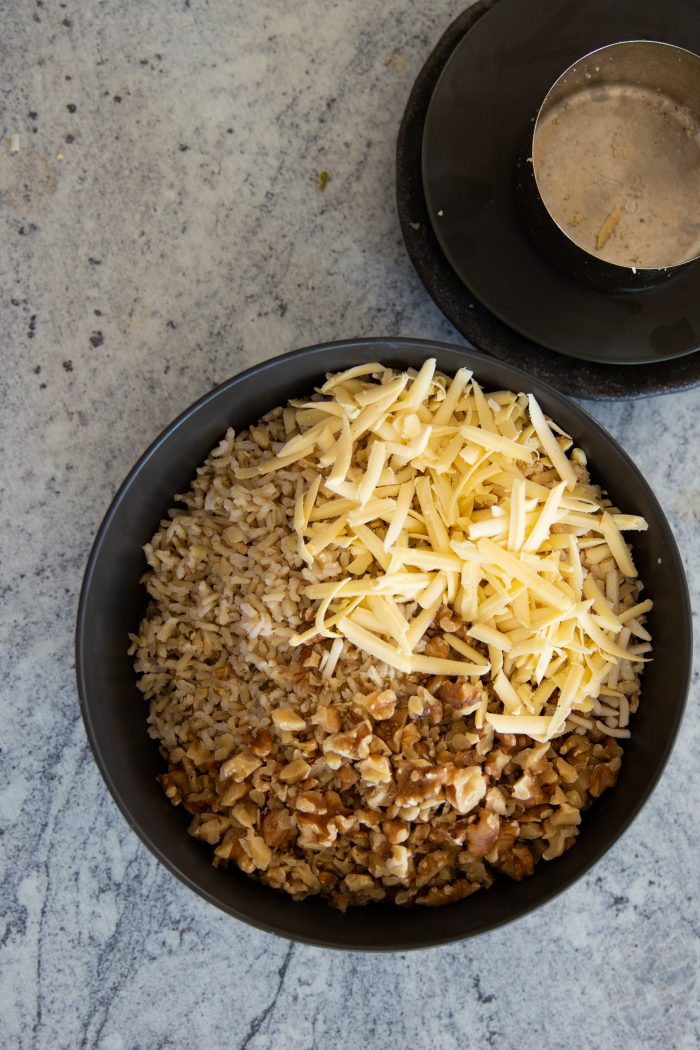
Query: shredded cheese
x=551, y=446
x=442, y=496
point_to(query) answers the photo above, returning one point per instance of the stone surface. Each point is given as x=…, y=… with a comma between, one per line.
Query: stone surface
x=161, y=229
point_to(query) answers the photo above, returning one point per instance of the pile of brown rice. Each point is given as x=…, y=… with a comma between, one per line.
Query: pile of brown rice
x=369, y=785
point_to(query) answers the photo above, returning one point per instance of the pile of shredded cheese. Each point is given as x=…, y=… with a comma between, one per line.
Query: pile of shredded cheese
x=424, y=479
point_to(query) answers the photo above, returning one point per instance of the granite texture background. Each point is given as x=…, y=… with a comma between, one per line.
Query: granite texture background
x=161, y=228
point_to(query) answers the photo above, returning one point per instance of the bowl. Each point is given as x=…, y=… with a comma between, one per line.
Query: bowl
x=608, y=183
x=112, y=602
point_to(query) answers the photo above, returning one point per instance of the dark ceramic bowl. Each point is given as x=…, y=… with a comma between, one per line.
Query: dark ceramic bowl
x=112, y=602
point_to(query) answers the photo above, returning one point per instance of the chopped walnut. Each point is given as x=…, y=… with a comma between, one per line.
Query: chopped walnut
x=451, y=834
x=575, y=749
x=506, y=741
x=262, y=743
x=389, y=859
x=347, y=776
x=602, y=777
x=327, y=717
x=609, y=750
x=482, y=836
x=532, y=758
x=199, y=753
x=257, y=849
x=559, y=841
x=288, y=720
x=316, y=832
x=310, y=658
x=558, y=797
x=431, y=707
x=496, y=763
x=262, y=778
x=518, y=863
x=496, y=801
x=245, y=813
x=415, y=706
x=294, y=771
x=209, y=829
x=430, y=865
x=526, y=789
x=276, y=827
x=485, y=742
x=460, y=695
x=448, y=893
x=233, y=793
x=565, y=815
x=239, y=767
x=507, y=836
x=232, y=849
x=380, y=704
x=174, y=785
x=437, y=646
x=410, y=735
x=364, y=887
x=448, y=620
x=346, y=825
x=419, y=785
x=375, y=769
x=466, y=788
x=396, y=831
x=352, y=745
x=567, y=772
x=311, y=802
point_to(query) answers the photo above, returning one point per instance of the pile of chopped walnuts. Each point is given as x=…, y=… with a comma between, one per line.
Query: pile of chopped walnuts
x=390, y=797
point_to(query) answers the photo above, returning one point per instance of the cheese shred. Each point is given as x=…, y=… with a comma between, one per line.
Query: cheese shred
x=446, y=499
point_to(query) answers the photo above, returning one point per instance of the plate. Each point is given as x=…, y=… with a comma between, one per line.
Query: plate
x=583, y=379
x=479, y=117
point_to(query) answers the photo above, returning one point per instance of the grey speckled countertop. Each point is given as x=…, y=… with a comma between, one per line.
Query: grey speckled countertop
x=161, y=228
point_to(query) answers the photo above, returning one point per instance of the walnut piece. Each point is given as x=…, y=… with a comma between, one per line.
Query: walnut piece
x=327, y=717
x=482, y=836
x=448, y=620
x=466, y=788
x=375, y=769
x=518, y=863
x=389, y=860
x=460, y=695
x=294, y=771
x=276, y=827
x=380, y=704
x=316, y=832
x=239, y=767
x=437, y=646
x=602, y=777
x=352, y=745
x=257, y=849
x=287, y=720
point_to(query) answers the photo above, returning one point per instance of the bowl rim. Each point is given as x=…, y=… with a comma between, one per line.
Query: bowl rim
x=385, y=346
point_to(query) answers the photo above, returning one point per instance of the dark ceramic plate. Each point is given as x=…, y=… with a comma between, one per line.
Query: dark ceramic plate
x=478, y=122
x=585, y=379
x=112, y=603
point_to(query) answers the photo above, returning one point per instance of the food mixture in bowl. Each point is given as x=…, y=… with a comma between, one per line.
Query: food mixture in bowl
x=394, y=641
